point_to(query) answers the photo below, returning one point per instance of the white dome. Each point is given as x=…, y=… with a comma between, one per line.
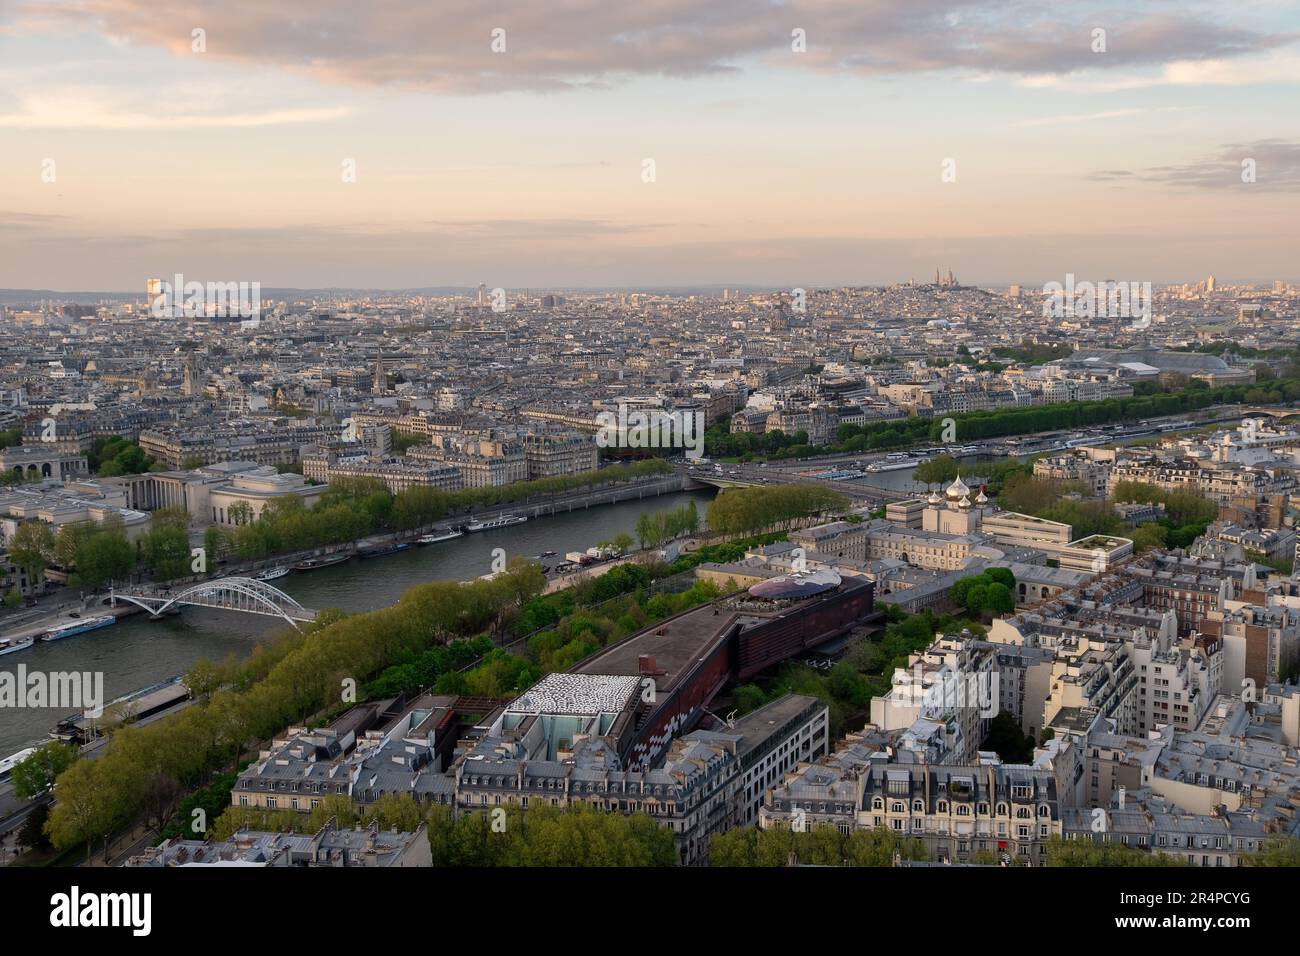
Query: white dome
x=958, y=489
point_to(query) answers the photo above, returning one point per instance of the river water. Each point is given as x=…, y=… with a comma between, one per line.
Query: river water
x=137, y=652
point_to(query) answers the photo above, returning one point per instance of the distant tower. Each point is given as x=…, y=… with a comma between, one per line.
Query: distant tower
x=936, y=275
x=1209, y=284
x=948, y=280
x=482, y=295
x=381, y=381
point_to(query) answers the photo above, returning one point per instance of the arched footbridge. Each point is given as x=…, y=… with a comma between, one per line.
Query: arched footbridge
x=228, y=594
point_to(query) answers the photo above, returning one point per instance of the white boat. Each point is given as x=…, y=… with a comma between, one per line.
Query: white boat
x=504, y=521
x=8, y=763
x=878, y=466
x=271, y=574
x=438, y=536
x=78, y=627
x=9, y=645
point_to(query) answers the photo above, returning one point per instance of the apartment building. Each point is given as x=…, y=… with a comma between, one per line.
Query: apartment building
x=328, y=846
x=263, y=442
x=482, y=463
x=951, y=683
x=1082, y=466
x=546, y=748
x=397, y=474
x=552, y=455
x=1005, y=811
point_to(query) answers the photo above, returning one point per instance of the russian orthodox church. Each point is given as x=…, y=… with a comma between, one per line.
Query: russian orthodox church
x=955, y=512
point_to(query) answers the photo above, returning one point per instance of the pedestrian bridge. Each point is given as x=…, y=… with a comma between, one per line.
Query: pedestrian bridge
x=229, y=594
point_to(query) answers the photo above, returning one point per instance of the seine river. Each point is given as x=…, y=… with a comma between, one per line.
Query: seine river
x=138, y=652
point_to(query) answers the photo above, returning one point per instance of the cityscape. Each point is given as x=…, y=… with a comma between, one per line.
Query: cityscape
x=599, y=477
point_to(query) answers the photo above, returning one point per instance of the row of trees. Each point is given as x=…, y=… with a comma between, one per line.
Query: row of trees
x=743, y=511
x=96, y=553
x=940, y=469
x=901, y=433
x=577, y=835
x=817, y=846
x=283, y=684
x=1041, y=418
x=721, y=442
x=655, y=529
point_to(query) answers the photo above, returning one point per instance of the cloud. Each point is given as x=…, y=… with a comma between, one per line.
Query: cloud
x=74, y=113
x=1276, y=168
x=569, y=44
x=1270, y=67
x=29, y=220
x=1090, y=117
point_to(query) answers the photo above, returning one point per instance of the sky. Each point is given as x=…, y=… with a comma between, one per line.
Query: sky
x=595, y=143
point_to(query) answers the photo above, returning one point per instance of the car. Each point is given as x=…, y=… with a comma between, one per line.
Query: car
x=74, y=614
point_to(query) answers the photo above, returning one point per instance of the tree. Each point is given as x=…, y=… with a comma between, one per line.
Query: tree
x=72, y=537
x=336, y=805
x=990, y=592
x=32, y=548
x=203, y=679
x=161, y=795
x=822, y=845
x=115, y=455
x=998, y=599
x=35, y=775
x=32, y=835
x=106, y=556
x=1085, y=852
x=938, y=470
x=1149, y=535
x=86, y=809
x=215, y=543
x=396, y=811
x=1282, y=851
x=167, y=544
x=241, y=513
